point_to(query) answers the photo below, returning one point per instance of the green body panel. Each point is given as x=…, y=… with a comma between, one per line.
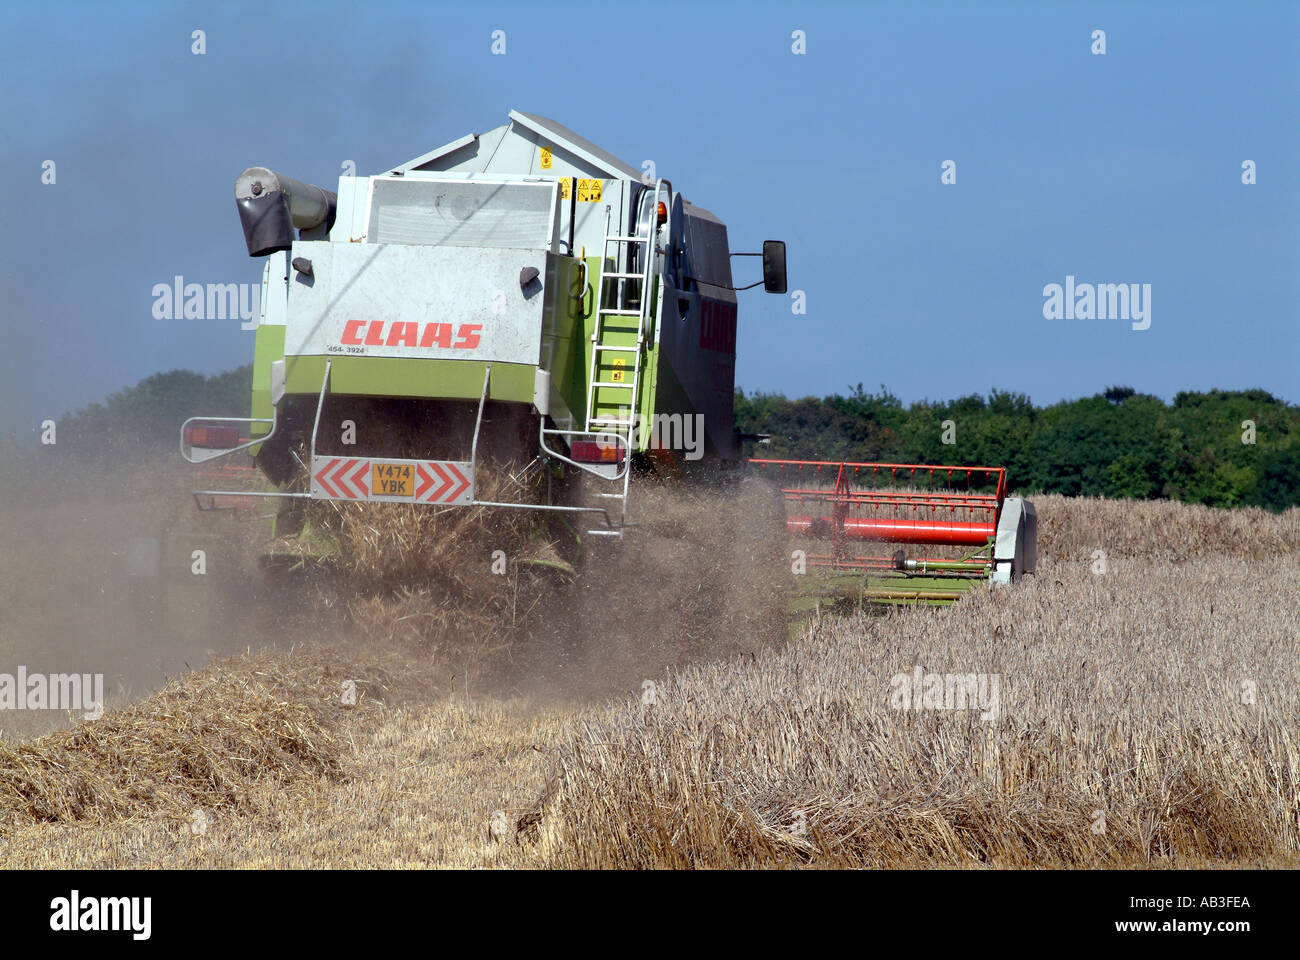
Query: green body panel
x=396, y=377
x=268, y=346
x=564, y=343
x=567, y=347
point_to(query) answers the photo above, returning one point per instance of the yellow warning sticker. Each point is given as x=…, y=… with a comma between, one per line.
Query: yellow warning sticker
x=619, y=365
x=566, y=187
x=546, y=158
x=589, y=190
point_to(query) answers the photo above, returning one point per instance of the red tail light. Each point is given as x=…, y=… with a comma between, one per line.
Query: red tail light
x=591, y=451
x=212, y=438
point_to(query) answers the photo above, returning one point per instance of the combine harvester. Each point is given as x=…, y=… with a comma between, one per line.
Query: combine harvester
x=522, y=295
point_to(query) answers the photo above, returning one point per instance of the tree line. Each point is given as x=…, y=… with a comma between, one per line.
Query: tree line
x=1223, y=448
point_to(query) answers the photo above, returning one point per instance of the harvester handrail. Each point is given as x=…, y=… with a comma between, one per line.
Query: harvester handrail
x=273, y=420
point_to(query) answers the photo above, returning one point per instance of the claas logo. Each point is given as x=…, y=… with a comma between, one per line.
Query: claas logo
x=380, y=333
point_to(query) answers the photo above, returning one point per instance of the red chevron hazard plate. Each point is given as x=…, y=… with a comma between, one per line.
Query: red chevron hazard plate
x=445, y=482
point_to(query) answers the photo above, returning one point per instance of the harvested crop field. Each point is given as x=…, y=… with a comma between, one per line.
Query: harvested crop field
x=1117, y=734
x=1136, y=708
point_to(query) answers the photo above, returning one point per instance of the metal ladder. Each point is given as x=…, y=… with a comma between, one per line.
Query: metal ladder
x=614, y=304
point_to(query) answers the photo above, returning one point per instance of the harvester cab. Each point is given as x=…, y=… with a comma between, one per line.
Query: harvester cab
x=520, y=292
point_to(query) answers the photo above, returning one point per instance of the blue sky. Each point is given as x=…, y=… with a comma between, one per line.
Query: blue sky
x=1117, y=168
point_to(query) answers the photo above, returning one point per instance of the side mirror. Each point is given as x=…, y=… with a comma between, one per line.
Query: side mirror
x=774, y=266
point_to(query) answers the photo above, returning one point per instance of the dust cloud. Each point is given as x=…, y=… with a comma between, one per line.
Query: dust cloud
x=106, y=581
x=128, y=579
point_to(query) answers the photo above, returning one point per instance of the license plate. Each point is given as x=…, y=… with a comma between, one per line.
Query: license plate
x=392, y=480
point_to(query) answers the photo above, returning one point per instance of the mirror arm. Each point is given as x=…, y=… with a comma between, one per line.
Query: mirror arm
x=723, y=286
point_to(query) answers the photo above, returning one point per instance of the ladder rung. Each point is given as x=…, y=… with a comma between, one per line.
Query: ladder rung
x=612, y=422
x=613, y=239
x=619, y=312
x=605, y=346
x=623, y=276
x=605, y=383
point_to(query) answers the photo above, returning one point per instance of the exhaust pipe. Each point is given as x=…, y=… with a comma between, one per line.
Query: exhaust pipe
x=272, y=205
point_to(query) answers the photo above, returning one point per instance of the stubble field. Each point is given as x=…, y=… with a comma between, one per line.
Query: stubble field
x=1146, y=715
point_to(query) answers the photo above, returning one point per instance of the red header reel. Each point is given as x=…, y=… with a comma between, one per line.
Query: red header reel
x=845, y=502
